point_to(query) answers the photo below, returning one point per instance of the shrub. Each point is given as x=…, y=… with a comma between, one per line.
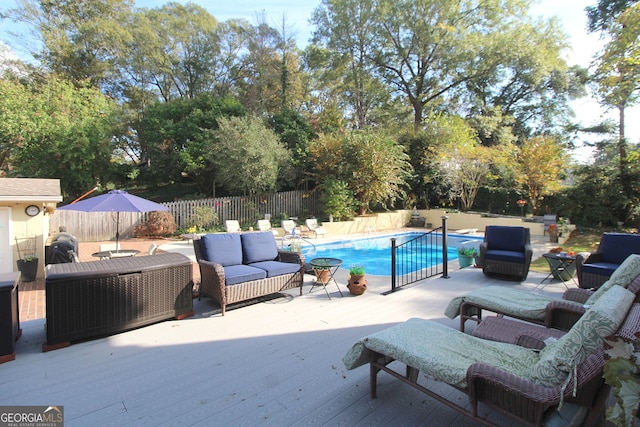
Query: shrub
x=160, y=223
x=203, y=217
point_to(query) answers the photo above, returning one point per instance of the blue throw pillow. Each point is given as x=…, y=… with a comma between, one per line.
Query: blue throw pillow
x=616, y=247
x=224, y=249
x=505, y=238
x=259, y=246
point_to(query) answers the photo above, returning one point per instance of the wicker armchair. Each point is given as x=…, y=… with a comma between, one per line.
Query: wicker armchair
x=506, y=252
x=596, y=268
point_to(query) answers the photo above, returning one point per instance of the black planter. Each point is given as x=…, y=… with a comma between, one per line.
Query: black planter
x=28, y=269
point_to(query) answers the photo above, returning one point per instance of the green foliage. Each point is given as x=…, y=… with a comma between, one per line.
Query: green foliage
x=247, y=156
x=374, y=166
x=357, y=269
x=203, y=217
x=467, y=251
x=622, y=373
x=52, y=129
x=338, y=200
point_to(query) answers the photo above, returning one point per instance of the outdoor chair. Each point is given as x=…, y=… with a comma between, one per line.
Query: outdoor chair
x=232, y=226
x=265, y=225
x=506, y=252
x=312, y=225
x=596, y=268
x=528, y=385
x=534, y=307
x=291, y=228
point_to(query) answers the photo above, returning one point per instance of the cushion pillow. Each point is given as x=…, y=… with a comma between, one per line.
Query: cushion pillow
x=277, y=268
x=222, y=248
x=235, y=274
x=505, y=238
x=260, y=246
x=599, y=292
x=616, y=247
x=627, y=271
x=603, y=319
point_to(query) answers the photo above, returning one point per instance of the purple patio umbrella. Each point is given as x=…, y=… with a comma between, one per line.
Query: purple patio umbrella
x=115, y=201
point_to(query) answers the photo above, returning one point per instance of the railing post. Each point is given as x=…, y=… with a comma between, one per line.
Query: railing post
x=445, y=249
x=393, y=264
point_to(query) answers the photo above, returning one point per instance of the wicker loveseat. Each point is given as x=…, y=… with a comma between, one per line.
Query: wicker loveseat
x=558, y=313
x=506, y=252
x=612, y=250
x=238, y=267
x=523, y=383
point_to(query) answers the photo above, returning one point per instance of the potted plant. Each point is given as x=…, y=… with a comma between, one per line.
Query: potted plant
x=357, y=283
x=27, y=264
x=466, y=256
x=322, y=272
x=28, y=267
x=553, y=233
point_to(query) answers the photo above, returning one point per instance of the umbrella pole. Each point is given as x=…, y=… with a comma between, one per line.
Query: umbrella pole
x=117, y=230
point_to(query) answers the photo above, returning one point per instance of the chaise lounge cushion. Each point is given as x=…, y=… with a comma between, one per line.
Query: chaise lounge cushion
x=440, y=351
x=223, y=249
x=627, y=271
x=257, y=247
x=558, y=359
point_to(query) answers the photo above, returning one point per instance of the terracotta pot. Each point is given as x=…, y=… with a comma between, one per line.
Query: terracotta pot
x=322, y=276
x=357, y=284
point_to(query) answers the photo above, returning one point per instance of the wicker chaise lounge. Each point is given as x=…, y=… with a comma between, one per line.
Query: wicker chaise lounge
x=558, y=313
x=238, y=267
x=522, y=383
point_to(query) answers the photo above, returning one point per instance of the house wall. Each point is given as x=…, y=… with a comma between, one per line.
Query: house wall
x=28, y=234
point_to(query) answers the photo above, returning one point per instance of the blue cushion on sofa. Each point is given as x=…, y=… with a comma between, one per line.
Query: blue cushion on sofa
x=277, y=268
x=505, y=238
x=235, y=274
x=616, y=247
x=258, y=247
x=224, y=249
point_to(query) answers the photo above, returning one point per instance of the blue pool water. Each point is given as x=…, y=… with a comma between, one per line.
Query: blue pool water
x=374, y=252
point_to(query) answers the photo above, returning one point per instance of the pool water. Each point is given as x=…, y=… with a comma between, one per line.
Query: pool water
x=374, y=252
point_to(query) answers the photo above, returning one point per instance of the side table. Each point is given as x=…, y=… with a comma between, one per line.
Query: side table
x=328, y=265
x=562, y=266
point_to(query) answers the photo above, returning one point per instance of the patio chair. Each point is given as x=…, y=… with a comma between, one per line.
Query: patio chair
x=506, y=252
x=534, y=307
x=522, y=383
x=596, y=268
x=265, y=225
x=232, y=226
x=312, y=225
x=291, y=228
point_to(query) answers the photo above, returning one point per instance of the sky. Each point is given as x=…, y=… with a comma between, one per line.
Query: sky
x=298, y=12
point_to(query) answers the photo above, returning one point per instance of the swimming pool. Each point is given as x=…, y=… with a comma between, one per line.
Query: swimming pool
x=374, y=252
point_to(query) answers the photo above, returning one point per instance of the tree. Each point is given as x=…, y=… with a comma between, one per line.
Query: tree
x=541, y=162
x=247, y=156
x=53, y=129
x=80, y=39
x=374, y=166
x=617, y=76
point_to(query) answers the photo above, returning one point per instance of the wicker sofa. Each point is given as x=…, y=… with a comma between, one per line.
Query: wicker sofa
x=523, y=383
x=596, y=268
x=557, y=313
x=238, y=267
x=506, y=252
x=92, y=299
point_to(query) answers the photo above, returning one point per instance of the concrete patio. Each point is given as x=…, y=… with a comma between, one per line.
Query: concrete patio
x=276, y=362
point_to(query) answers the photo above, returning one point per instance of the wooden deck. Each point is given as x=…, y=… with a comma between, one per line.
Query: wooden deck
x=276, y=362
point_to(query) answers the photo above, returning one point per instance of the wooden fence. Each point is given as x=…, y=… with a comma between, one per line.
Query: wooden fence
x=101, y=226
